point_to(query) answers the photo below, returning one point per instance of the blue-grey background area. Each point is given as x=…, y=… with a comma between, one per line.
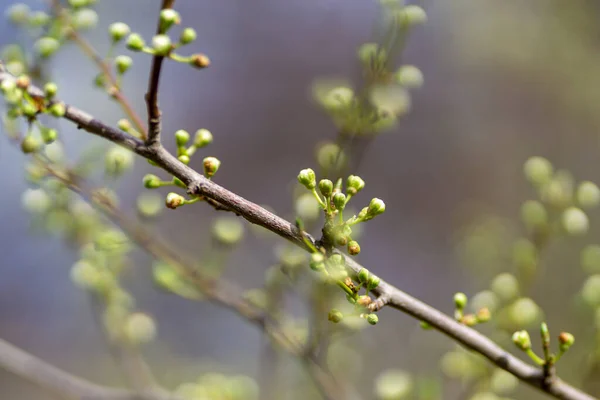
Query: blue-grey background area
x=498, y=89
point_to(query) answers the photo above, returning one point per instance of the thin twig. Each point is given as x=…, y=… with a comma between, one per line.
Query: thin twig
x=154, y=113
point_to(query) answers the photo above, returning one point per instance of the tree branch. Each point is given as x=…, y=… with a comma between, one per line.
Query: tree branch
x=388, y=294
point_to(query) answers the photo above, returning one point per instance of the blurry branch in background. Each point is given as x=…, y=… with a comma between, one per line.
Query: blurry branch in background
x=384, y=104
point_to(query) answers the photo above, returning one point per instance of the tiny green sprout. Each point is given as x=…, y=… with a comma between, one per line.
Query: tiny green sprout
x=326, y=187
x=565, y=340
x=317, y=262
x=188, y=35
x=168, y=18
x=202, y=138
x=460, y=300
x=48, y=135
x=124, y=125
x=538, y=170
x=181, y=138
x=373, y=282
x=184, y=158
x=335, y=316
x=58, y=110
x=469, y=320
x=307, y=178
x=140, y=328
x=575, y=221
x=228, y=231
x=8, y=86
x=29, y=110
x=123, y=63
x=588, y=194
x=199, y=61
x=425, y=325
x=18, y=13
x=211, y=166
x=135, y=42
x=522, y=340
x=534, y=214
x=152, y=181
x=38, y=19
x=30, y=144
x=353, y=248
x=174, y=200
x=338, y=98
x=372, y=319
x=354, y=185
x=483, y=315
x=409, y=76
x=414, y=15
x=376, y=207
x=46, y=46
x=161, y=45
x=50, y=90
x=339, y=201
x=363, y=275
x=118, y=30
x=85, y=18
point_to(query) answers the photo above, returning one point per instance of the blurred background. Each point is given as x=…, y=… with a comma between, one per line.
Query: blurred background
x=503, y=81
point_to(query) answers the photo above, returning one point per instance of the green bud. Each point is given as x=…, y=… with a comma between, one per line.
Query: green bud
x=376, y=207
x=363, y=275
x=524, y=312
x=372, y=319
x=168, y=18
x=46, y=46
x=534, y=214
x=211, y=166
x=335, y=316
x=326, y=187
x=354, y=184
x=178, y=182
x=174, y=200
x=48, y=135
x=181, y=138
x=8, y=86
x=161, y=45
x=36, y=201
x=124, y=125
x=575, y=221
x=188, y=35
x=199, y=61
x=118, y=30
x=330, y=155
x=460, y=300
x=588, y=194
x=30, y=144
x=483, y=315
x=58, y=110
x=29, y=110
x=538, y=170
x=590, y=259
x=317, y=261
x=202, y=138
x=353, y=248
x=17, y=13
x=368, y=52
x=373, y=282
x=338, y=98
x=565, y=340
x=140, y=328
x=50, y=89
x=228, y=230
x=414, y=15
x=409, y=76
x=506, y=286
x=307, y=178
x=38, y=19
x=522, y=340
x=86, y=18
x=135, y=42
x=151, y=181
x=184, y=158
x=118, y=160
x=85, y=275
x=339, y=201
x=123, y=63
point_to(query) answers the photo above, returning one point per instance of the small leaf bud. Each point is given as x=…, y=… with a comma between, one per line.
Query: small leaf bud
x=469, y=320
x=372, y=319
x=538, y=170
x=483, y=315
x=307, y=178
x=151, y=181
x=565, y=341
x=211, y=166
x=414, y=15
x=23, y=82
x=363, y=275
x=50, y=89
x=506, y=286
x=135, y=42
x=409, y=76
x=460, y=300
x=202, y=138
x=124, y=125
x=174, y=200
x=30, y=144
x=335, y=316
x=85, y=18
x=123, y=63
x=588, y=194
x=354, y=184
x=376, y=207
x=58, y=110
x=534, y=214
x=168, y=18
x=118, y=30
x=161, y=45
x=575, y=221
x=188, y=35
x=48, y=135
x=326, y=187
x=364, y=301
x=140, y=328
x=181, y=138
x=184, y=158
x=199, y=61
x=339, y=200
x=38, y=19
x=522, y=340
x=46, y=46
x=353, y=248
x=373, y=282
x=18, y=13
